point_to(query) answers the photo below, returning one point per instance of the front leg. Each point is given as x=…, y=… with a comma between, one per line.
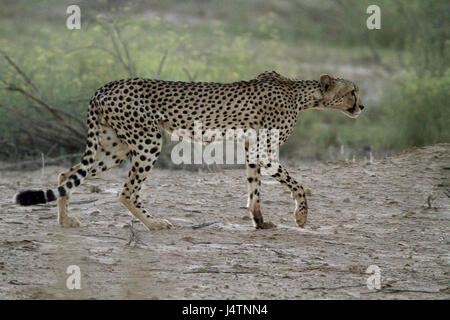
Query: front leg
x=254, y=190
x=297, y=191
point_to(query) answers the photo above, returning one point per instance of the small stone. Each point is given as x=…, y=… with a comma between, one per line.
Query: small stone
x=94, y=189
x=409, y=214
x=308, y=191
x=347, y=200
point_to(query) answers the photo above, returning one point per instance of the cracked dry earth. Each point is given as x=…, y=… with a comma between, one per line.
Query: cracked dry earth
x=393, y=213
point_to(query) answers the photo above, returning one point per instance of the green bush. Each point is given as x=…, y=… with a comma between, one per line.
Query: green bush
x=234, y=40
x=417, y=111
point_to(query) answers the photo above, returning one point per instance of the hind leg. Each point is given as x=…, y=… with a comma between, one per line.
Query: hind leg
x=144, y=155
x=110, y=154
x=63, y=202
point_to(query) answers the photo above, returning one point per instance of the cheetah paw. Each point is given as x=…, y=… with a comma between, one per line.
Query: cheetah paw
x=69, y=222
x=158, y=224
x=300, y=216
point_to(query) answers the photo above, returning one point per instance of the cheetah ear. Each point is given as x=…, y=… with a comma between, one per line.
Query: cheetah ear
x=326, y=82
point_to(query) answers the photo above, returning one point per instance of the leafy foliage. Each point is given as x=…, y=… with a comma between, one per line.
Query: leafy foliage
x=227, y=41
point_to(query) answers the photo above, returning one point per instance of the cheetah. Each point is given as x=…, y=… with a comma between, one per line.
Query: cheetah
x=126, y=118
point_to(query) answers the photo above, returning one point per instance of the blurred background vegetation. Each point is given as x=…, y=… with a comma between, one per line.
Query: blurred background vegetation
x=48, y=73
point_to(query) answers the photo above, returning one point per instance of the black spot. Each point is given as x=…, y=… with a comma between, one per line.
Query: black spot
x=81, y=172
x=62, y=191
x=50, y=195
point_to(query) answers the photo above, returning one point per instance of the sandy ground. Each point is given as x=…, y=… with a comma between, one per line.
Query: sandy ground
x=361, y=214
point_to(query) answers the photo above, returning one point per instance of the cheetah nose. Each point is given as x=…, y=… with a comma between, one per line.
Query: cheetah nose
x=361, y=107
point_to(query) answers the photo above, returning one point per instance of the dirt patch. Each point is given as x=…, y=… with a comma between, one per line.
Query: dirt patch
x=393, y=213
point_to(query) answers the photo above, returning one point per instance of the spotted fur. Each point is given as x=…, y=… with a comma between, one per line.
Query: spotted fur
x=125, y=119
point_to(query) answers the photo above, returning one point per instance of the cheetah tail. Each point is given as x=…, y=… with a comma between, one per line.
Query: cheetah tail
x=30, y=197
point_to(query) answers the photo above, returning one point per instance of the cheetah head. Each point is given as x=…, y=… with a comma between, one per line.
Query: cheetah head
x=339, y=94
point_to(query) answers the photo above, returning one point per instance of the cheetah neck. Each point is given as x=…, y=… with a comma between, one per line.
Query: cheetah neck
x=307, y=94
